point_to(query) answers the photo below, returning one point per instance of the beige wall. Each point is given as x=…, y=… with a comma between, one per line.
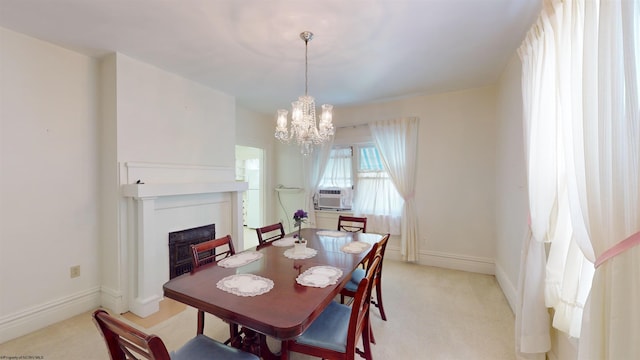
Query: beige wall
x=49, y=207
x=455, y=174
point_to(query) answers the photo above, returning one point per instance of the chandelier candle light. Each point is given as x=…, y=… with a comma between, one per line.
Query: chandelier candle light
x=303, y=116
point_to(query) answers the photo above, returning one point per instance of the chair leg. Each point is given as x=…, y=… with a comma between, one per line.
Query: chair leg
x=378, y=302
x=200, y=329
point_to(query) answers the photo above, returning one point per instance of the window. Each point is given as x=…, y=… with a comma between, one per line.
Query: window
x=384, y=209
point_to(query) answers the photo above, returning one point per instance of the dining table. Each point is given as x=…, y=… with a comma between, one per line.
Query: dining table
x=273, y=290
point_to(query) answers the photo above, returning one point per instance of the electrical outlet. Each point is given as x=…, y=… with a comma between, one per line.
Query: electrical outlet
x=74, y=271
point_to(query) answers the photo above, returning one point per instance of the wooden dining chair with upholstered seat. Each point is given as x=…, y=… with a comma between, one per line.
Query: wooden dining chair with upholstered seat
x=269, y=233
x=207, y=252
x=351, y=287
x=334, y=334
x=352, y=223
x=126, y=342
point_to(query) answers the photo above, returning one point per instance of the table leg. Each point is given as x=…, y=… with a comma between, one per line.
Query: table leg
x=255, y=343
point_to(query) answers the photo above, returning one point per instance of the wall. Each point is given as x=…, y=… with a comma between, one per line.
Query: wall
x=511, y=185
x=257, y=130
x=455, y=174
x=48, y=184
x=168, y=130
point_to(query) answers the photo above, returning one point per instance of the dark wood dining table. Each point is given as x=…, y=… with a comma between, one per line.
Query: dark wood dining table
x=288, y=308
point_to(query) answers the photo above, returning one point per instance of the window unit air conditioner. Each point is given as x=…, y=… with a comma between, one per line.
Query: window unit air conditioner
x=337, y=199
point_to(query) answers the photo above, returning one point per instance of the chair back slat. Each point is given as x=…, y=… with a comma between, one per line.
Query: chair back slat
x=270, y=233
x=359, y=320
x=125, y=342
x=209, y=251
x=352, y=223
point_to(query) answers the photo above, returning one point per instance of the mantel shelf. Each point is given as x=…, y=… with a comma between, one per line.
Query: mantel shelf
x=175, y=189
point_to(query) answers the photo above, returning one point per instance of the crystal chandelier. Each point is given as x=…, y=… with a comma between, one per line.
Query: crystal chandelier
x=303, y=116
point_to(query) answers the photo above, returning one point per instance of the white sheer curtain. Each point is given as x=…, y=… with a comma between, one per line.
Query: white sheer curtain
x=537, y=55
x=608, y=173
x=314, y=166
x=397, y=141
x=580, y=96
x=384, y=210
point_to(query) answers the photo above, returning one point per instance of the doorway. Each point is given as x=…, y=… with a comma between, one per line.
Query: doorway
x=250, y=168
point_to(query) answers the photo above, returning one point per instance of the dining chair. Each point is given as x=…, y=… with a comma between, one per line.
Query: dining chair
x=270, y=233
x=351, y=287
x=352, y=223
x=207, y=252
x=334, y=334
x=126, y=342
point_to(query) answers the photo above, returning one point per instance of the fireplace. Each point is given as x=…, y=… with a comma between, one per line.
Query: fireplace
x=180, y=247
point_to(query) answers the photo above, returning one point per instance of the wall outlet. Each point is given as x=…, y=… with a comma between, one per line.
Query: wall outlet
x=74, y=271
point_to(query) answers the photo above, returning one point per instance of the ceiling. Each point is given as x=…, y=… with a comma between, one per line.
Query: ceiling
x=362, y=51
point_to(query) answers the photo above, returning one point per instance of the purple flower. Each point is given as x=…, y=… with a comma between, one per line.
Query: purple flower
x=299, y=215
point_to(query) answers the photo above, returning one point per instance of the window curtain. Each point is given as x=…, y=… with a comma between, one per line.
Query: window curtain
x=397, y=141
x=384, y=210
x=580, y=102
x=339, y=170
x=607, y=167
x=532, y=319
x=314, y=166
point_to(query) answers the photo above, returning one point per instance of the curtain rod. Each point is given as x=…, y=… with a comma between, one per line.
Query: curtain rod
x=352, y=126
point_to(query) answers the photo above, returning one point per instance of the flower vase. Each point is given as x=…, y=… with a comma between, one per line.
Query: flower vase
x=300, y=246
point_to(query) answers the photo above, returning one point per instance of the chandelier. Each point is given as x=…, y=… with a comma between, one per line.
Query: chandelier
x=303, y=116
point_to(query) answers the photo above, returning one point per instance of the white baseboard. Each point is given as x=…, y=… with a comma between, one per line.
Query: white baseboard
x=113, y=300
x=508, y=288
x=37, y=317
x=448, y=261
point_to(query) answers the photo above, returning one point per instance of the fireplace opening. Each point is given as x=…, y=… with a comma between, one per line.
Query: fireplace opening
x=180, y=247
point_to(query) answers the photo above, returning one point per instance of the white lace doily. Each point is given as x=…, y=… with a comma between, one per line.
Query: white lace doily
x=240, y=259
x=355, y=247
x=245, y=284
x=319, y=276
x=331, y=233
x=284, y=242
x=308, y=253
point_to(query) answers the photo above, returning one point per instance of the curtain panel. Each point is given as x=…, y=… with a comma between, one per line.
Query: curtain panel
x=580, y=106
x=397, y=141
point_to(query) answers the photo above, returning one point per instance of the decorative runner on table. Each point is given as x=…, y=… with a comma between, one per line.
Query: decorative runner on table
x=245, y=284
x=284, y=242
x=319, y=276
x=355, y=247
x=308, y=253
x=331, y=233
x=239, y=259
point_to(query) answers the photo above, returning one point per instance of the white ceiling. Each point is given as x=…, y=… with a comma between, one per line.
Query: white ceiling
x=362, y=51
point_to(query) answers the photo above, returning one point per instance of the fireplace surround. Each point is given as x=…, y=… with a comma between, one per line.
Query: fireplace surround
x=159, y=208
x=180, y=247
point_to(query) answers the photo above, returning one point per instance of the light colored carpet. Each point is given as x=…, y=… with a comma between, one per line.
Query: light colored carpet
x=432, y=313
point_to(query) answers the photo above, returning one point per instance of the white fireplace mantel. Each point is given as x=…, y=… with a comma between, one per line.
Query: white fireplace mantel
x=147, y=295
x=157, y=190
